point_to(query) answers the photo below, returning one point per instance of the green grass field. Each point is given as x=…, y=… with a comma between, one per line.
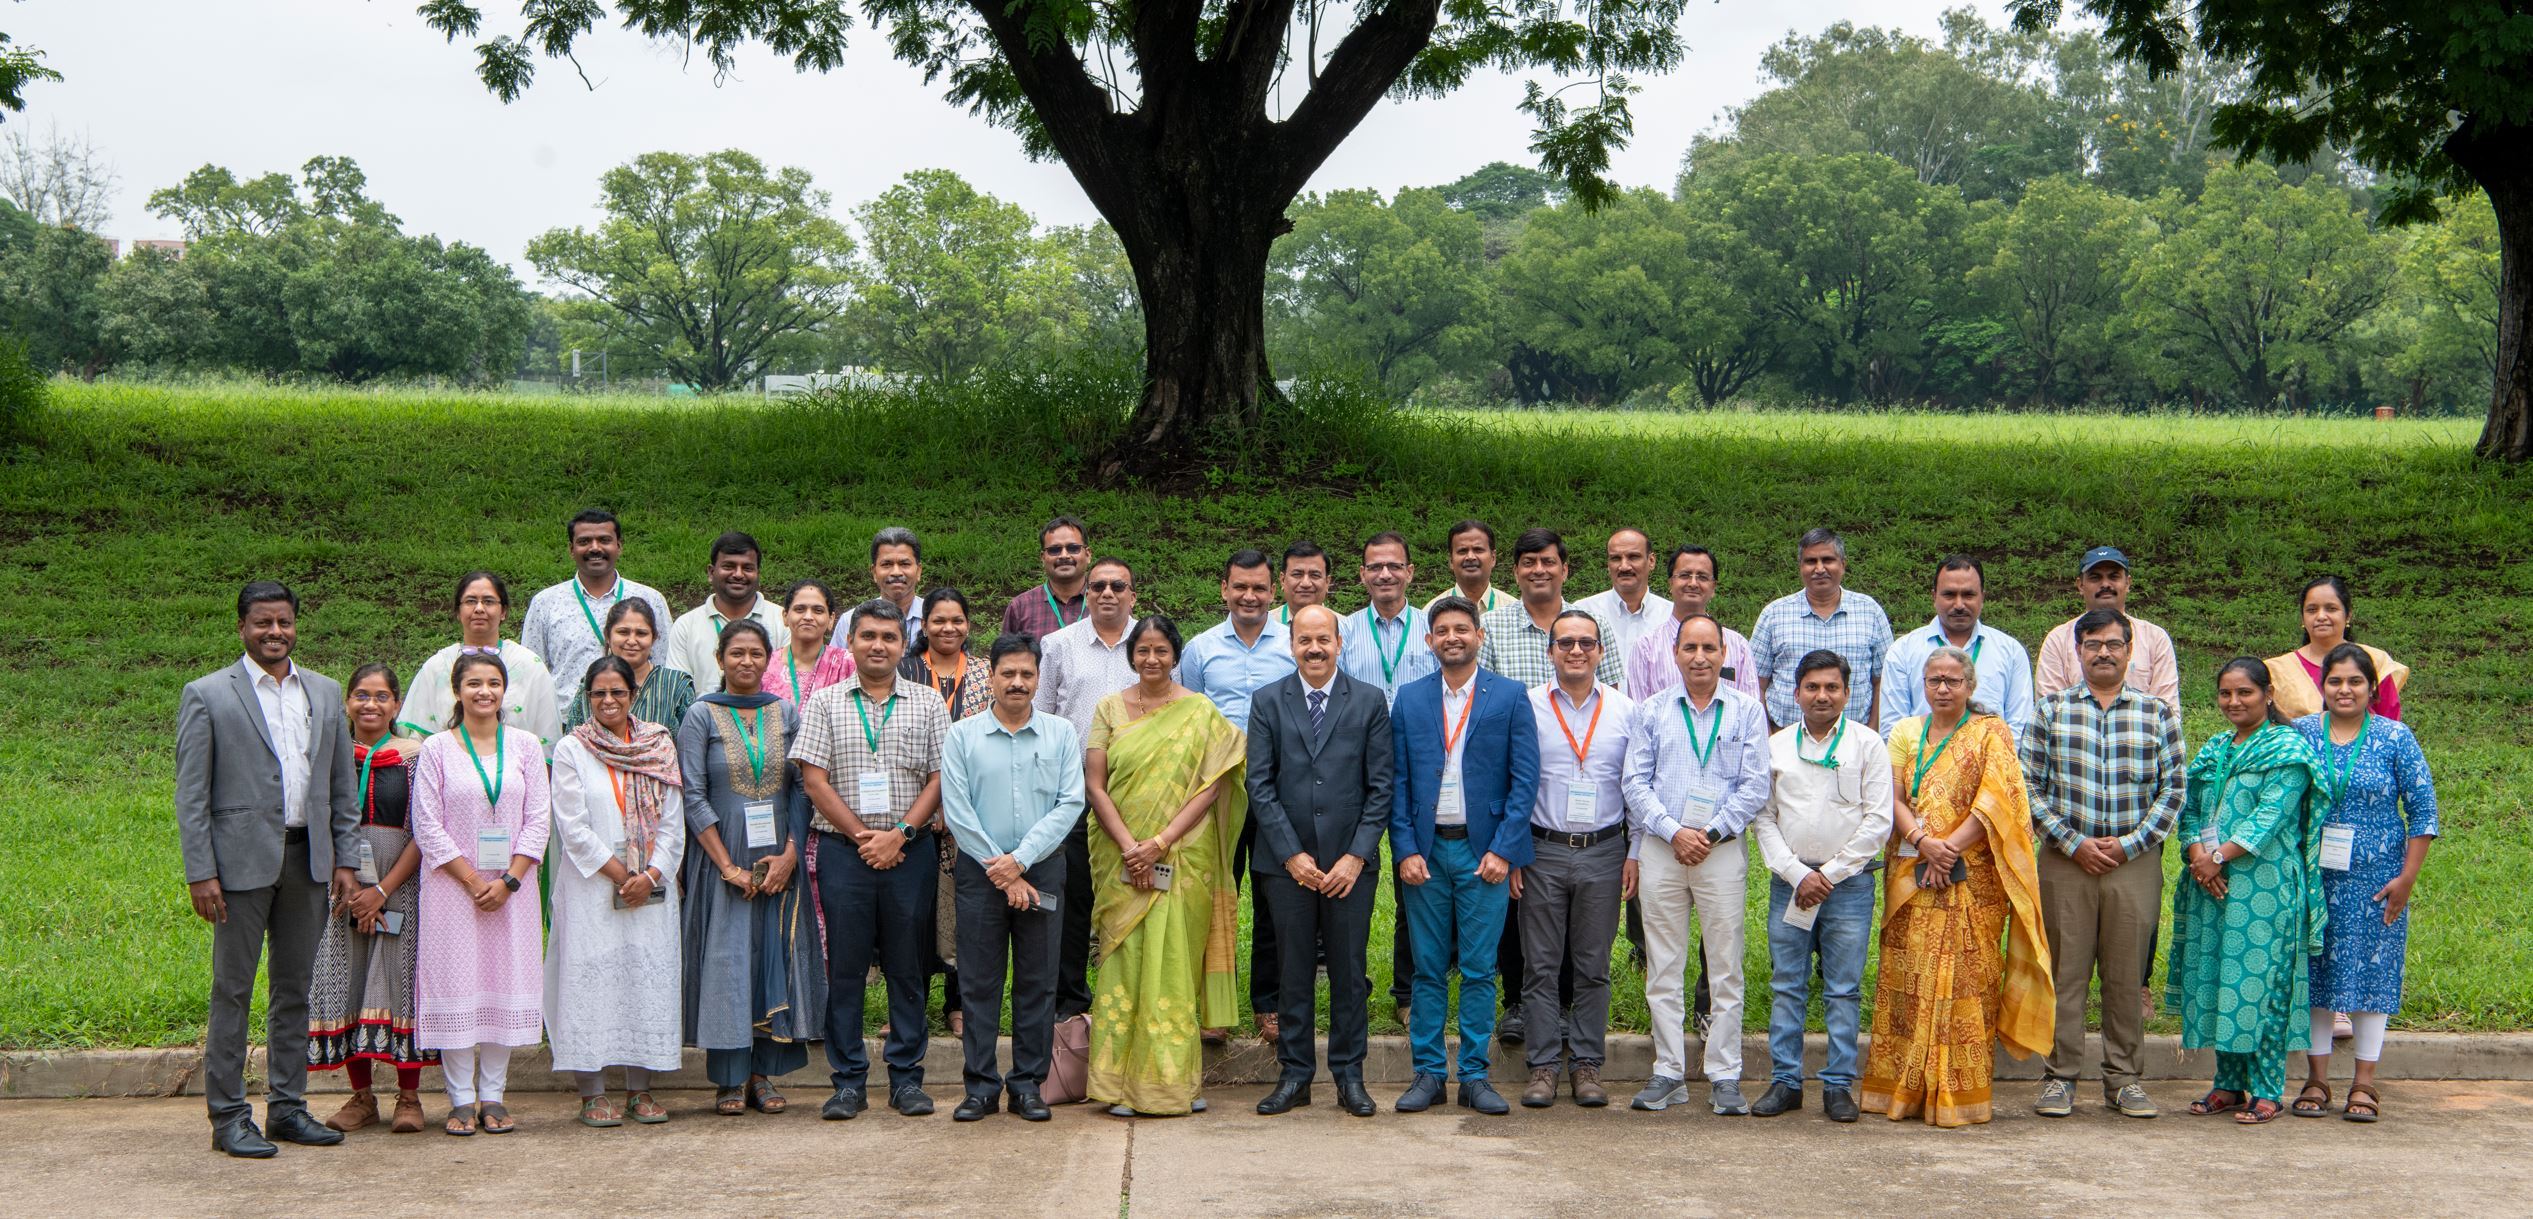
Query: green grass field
x=126, y=528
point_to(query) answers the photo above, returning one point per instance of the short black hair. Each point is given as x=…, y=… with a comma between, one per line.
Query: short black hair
x=1678, y=553
x=1062, y=522
x=1159, y=624
x=501, y=590
x=1110, y=560
x=1244, y=558
x=1453, y=603
x=1452, y=534
x=1007, y=644
x=593, y=516
x=1961, y=562
x=2095, y=619
x=1389, y=537
x=257, y=592
x=1823, y=658
x=734, y=542
x=742, y=626
x=895, y=535
x=877, y=607
x=1304, y=548
x=1536, y=539
x=1586, y=615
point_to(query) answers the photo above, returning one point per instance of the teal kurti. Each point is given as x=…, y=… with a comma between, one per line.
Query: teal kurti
x=2237, y=976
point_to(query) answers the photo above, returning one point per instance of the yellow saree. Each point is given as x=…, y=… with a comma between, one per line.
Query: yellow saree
x=1966, y=966
x=1167, y=958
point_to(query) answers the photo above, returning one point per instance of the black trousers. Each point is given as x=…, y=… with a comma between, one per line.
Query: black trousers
x=290, y=915
x=1073, y=953
x=1402, y=949
x=1263, y=950
x=1304, y=922
x=871, y=913
x=1514, y=968
x=992, y=934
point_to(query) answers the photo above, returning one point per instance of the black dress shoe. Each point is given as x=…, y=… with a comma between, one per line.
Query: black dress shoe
x=1779, y=1099
x=1031, y=1107
x=974, y=1108
x=843, y=1106
x=1421, y=1095
x=1352, y=1098
x=1839, y=1104
x=299, y=1126
x=1511, y=1028
x=910, y=1101
x=1288, y=1095
x=240, y=1138
x=1480, y=1095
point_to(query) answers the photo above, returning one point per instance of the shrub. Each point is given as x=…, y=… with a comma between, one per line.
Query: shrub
x=22, y=392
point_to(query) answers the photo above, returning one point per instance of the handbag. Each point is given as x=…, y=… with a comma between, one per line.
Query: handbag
x=1069, y=1068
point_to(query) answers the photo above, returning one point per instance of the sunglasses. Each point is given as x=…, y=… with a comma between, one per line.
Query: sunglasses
x=1063, y=548
x=1576, y=645
x=1108, y=586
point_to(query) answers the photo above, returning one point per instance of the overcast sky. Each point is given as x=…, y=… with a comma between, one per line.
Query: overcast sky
x=163, y=86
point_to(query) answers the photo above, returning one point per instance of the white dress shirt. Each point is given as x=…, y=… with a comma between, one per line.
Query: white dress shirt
x=1455, y=704
x=1563, y=776
x=1077, y=668
x=284, y=702
x=1820, y=818
x=1626, y=626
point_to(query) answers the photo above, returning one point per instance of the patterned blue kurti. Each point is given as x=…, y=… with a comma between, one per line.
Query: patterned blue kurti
x=2388, y=796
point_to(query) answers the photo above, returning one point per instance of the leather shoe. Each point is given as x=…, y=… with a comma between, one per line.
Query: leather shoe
x=1421, y=1095
x=1588, y=1091
x=1289, y=1095
x=1839, y=1104
x=1542, y=1091
x=1510, y=1028
x=240, y=1138
x=301, y=1127
x=1480, y=1095
x=1778, y=1099
x=910, y=1101
x=1352, y=1098
x=973, y=1108
x=846, y=1104
x=1031, y=1107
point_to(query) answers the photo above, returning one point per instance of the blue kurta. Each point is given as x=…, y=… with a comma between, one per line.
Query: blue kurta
x=2387, y=796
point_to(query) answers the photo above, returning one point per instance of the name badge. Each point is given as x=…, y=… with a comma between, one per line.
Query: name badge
x=870, y=794
x=368, y=863
x=1800, y=918
x=2210, y=838
x=760, y=815
x=1447, y=806
x=2339, y=843
x=1583, y=802
x=1706, y=798
x=492, y=849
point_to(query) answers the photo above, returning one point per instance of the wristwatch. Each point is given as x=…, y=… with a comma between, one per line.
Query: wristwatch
x=907, y=830
x=510, y=882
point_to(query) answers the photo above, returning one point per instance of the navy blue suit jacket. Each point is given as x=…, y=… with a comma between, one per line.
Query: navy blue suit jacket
x=1499, y=767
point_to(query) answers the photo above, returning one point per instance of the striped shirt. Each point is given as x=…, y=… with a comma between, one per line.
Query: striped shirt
x=2104, y=772
x=1515, y=647
x=1788, y=630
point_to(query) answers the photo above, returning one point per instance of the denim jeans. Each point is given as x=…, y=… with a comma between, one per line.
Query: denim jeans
x=1840, y=936
x=1456, y=920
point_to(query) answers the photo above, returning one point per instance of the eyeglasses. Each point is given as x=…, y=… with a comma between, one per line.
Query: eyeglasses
x=1944, y=683
x=609, y=695
x=364, y=698
x=2100, y=646
x=1062, y=548
x=1108, y=586
x=1575, y=645
x=1384, y=569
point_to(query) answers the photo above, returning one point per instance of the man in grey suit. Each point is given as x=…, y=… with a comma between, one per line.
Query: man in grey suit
x=1319, y=793
x=266, y=817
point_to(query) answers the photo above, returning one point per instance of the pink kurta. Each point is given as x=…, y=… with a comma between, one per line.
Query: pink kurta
x=480, y=977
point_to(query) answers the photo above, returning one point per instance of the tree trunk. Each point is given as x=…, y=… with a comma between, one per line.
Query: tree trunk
x=2500, y=159
x=1204, y=344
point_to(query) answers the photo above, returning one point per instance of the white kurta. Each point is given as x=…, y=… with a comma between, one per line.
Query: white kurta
x=612, y=976
x=694, y=643
x=527, y=704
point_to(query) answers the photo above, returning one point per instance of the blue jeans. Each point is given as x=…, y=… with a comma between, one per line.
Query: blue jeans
x=1454, y=919
x=1840, y=937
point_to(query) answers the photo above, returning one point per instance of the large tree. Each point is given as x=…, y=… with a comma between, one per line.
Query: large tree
x=2438, y=95
x=1160, y=109
x=1396, y=289
x=20, y=66
x=2055, y=279
x=951, y=278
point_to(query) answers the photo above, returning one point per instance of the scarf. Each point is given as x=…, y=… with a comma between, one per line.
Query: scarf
x=649, y=764
x=2274, y=746
x=741, y=702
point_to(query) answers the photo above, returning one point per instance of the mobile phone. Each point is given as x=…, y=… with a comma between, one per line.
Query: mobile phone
x=391, y=922
x=1161, y=874
x=1960, y=873
x=758, y=871
x=1045, y=902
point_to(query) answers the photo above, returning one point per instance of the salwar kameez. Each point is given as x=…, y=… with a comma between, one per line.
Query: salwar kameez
x=361, y=1000
x=755, y=992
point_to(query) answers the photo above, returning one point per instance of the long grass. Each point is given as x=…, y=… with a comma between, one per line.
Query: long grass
x=129, y=522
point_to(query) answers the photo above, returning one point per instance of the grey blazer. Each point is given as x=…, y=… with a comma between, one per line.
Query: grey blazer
x=228, y=782
x=1325, y=794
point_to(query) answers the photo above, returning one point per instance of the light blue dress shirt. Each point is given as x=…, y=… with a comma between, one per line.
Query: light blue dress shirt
x=1011, y=793
x=1662, y=765
x=2005, y=676
x=1220, y=667
x=1365, y=646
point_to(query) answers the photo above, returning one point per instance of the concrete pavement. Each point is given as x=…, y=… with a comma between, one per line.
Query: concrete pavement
x=2444, y=1148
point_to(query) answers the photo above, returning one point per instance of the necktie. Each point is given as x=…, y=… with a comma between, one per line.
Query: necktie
x=1318, y=709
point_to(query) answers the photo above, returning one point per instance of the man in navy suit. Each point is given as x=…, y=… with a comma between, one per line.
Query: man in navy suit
x=1467, y=773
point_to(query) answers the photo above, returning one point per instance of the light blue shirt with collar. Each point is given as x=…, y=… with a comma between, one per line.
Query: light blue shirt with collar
x=1367, y=643
x=1227, y=671
x=1011, y=793
x=2005, y=676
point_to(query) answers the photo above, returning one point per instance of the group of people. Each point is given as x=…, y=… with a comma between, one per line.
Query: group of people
x=735, y=819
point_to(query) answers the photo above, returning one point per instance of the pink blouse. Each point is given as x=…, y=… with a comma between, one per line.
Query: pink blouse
x=2387, y=694
x=835, y=665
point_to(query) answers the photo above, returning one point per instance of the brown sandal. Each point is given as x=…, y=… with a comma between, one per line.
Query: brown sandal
x=2367, y=1110
x=2206, y=1106
x=2260, y=1112
x=461, y=1121
x=763, y=1098
x=2306, y=1106
x=730, y=1102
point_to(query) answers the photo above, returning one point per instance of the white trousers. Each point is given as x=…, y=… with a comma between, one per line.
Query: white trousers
x=476, y=1073
x=1669, y=890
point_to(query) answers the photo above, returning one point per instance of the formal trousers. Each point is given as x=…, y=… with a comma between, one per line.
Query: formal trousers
x=1305, y=920
x=2100, y=926
x=883, y=914
x=1569, y=914
x=1715, y=890
x=289, y=916
x=991, y=936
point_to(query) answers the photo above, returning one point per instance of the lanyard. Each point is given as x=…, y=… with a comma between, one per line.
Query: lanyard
x=1389, y=663
x=613, y=595
x=1926, y=760
x=370, y=759
x=1829, y=757
x=1451, y=740
x=501, y=774
x=2343, y=761
x=951, y=696
x=1705, y=756
x=1584, y=750
x=752, y=740
x=615, y=779
x=1055, y=609
x=870, y=735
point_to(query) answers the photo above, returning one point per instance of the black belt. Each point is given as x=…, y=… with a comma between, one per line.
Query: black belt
x=1578, y=841
x=296, y=835
x=1452, y=833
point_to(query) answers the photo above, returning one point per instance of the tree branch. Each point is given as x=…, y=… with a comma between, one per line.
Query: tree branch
x=1360, y=73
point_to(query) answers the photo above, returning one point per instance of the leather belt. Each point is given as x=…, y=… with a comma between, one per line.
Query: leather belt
x=1452, y=833
x=1578, y=841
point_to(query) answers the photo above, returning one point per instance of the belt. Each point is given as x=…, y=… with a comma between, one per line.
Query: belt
x=1579, y=841
x=1452, y=833
x=296, y=835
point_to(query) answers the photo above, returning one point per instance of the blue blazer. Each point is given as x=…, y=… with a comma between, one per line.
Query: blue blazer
x=1499, y=767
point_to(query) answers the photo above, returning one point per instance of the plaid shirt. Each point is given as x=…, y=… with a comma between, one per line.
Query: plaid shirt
x=2096, y=772
x=910, y=727
x=1515, y=647
x=1787, y=629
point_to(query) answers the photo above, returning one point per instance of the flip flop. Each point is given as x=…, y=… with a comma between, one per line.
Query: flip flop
x=495, y=1119
x=599, y=1113
x=645, y=1109
x=461, y=1121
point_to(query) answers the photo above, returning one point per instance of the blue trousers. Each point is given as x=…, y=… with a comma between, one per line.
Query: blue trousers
x=1839, y=937
x=1454, y=920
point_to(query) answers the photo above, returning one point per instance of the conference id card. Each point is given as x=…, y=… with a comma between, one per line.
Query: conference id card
x=870, y=794
x=760, y=820
x=1801, y=918
x=368, y=865
x=1583, y=803
x=492, y=849
x=1448, y=808
x=1705, y=799
x=2339, y=844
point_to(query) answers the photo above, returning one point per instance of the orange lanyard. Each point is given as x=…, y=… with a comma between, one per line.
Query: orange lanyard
x=615, y=778
x=955, y=687
x=1584, y=750
x=1451, y=739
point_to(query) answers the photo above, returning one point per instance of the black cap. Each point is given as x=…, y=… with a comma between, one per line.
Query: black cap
x=2100, y=555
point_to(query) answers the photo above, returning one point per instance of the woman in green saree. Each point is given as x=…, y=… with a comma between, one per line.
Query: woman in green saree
x=2253, y=911
x=1164, y=778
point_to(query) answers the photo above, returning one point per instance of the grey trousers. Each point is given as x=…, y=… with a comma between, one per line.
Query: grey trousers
x=291, y=915
x=1569, y=916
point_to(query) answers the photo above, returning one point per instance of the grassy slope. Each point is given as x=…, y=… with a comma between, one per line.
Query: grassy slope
x=124, y=536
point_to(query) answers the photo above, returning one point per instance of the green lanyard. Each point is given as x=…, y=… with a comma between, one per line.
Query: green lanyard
x=370, y=759
x=1828, y=759
x=2342, y=762
x=1389, y=663
x=792, y=663
x=753, y=741
x=1707, y=755
x=1053, y=608
x=501, y=774
x=1926, y=760
x=870, y=735
x=613, y=595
